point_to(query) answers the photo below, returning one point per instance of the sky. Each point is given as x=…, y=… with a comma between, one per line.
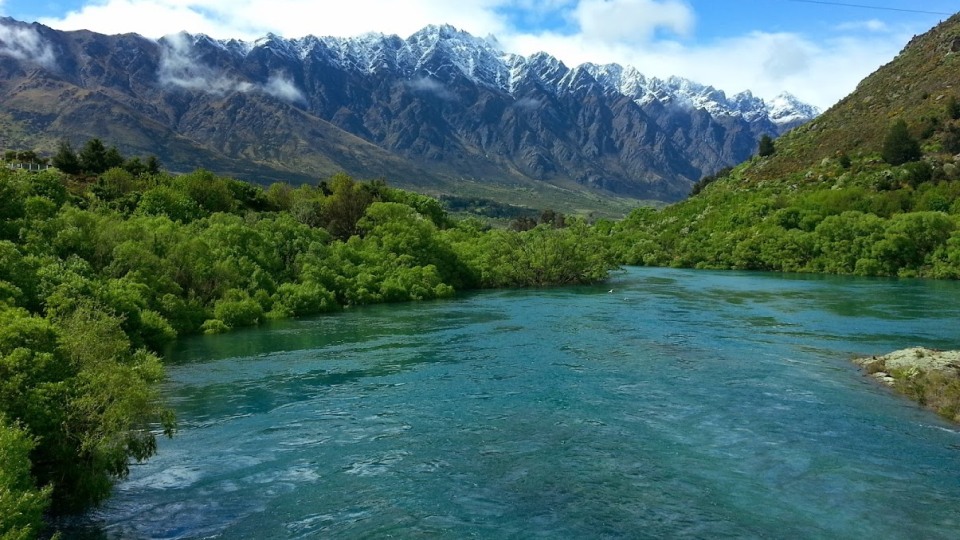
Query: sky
x=816, y=50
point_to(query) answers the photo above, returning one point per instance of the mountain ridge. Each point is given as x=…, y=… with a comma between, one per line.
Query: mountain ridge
x=441, y=111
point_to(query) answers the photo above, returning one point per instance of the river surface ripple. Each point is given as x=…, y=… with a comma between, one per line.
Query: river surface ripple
x=678, y=404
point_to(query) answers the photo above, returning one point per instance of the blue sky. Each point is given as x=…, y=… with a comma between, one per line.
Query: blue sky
x=817, y=50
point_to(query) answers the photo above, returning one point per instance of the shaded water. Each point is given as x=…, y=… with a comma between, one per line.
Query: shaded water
x=681, y=404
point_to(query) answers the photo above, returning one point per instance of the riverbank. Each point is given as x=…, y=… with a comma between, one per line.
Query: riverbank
x=929, y=376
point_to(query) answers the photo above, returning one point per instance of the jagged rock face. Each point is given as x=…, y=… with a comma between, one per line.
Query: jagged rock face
x=436, y=106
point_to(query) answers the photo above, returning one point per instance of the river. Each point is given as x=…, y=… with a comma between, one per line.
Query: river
x=664, y=403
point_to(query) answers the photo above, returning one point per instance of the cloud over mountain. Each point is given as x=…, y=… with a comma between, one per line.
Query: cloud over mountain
x=440, y=106
x=24, y=43
x=660, y=37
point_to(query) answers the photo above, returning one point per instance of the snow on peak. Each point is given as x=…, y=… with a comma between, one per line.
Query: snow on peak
x=444, y=52
x=786, y=109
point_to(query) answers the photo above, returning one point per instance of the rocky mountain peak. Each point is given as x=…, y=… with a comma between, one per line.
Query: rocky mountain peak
x=436, y=106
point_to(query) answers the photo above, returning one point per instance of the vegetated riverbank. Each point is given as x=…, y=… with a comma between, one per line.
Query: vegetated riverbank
x=929, y=376
x=100, y=270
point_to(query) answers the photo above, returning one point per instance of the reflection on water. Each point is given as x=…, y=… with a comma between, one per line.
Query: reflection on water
x=680, y=404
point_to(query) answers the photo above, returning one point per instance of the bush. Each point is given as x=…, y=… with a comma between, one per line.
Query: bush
x=899, y=146
x=166, y=201
x=766, y=146
x=21, y=504
x=238, y=309
x=297, y=299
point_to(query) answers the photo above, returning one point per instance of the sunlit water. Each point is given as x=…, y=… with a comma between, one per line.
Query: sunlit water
x=679, y=404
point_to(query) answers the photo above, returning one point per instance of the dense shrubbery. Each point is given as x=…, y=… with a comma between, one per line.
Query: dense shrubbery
x=96, y=279
x=845, y=217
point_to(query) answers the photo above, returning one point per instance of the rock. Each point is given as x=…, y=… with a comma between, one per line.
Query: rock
x=928, y=376
x=914, y=358
x=884, y=377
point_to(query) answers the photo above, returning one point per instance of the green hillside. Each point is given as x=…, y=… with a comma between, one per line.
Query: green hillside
x=838, y=195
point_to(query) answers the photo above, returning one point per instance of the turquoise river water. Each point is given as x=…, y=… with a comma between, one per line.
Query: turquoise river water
x=678, y=404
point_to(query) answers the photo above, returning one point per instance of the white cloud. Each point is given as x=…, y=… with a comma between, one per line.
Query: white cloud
x=179, y=68
x=25, y=44
x=632, y=21
x=872, y=25
x=250, y=19
x=432, y=86
x=658, y=37
x=281, y=87
x=527, y=104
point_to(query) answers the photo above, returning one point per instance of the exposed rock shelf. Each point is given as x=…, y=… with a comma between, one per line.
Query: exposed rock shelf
x=929, y=376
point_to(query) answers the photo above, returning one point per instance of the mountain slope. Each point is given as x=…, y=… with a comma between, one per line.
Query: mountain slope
x=915, y=86
x=826, y=200
x=441, y=111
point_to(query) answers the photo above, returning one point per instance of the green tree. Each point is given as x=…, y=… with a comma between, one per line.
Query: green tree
x=112, y=158
x=952, y=108
x=66, y=158
x=766, y=146
x=21, y=504
x=345, y=206
x=93, y=157
x=153, y=165
x=899, y=146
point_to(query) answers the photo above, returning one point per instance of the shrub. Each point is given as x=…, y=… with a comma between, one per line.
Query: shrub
x=899, y=146
x=238, y=309
x=21, y=504
x=766, y=146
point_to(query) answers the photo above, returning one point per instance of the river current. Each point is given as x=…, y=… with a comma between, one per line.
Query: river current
x=664, y=403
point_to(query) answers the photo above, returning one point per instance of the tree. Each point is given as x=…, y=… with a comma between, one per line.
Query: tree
x=766, y=147
x=952, y=108
x=844, y=160
x=345, y=206
x=153, y=165
x=93, y=157
x=899, y=146
x=21, y=504
x=66, y=159
x=112, y=158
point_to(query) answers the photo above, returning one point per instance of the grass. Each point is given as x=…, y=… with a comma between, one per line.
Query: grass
x=936, y=390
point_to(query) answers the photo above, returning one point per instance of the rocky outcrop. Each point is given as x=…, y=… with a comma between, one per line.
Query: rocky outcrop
x=910, y=360
x=929, y=376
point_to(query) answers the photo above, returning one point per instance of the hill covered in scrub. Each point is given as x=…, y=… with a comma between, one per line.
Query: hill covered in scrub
x=870, y=187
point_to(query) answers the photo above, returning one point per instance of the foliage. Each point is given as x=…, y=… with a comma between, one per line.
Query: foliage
x=94, y=158
x=952, y=108
x=66, y=159
x=21, y=504
x=98, y=275
x=766, y=146
x=899, y=146
x=867, y=218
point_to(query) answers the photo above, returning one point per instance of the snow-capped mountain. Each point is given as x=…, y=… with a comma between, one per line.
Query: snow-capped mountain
x=482, y=61
x=441, y=108
x=785, y=110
